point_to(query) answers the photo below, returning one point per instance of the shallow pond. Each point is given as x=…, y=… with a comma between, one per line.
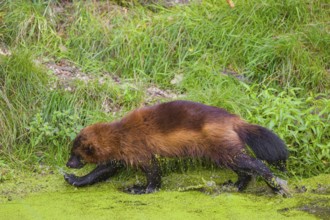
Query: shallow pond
x=191, y=195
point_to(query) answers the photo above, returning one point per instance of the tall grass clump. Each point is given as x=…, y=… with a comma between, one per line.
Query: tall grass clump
x=204, y=84
x=30, y=23
x=22, y=84
x=270, y=42
x=87, y=37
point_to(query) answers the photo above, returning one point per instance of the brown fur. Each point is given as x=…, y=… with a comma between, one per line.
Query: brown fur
x=177, y=129
x=174, y=129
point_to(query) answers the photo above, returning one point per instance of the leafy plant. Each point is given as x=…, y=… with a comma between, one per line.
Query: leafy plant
x=301, y=122
x=61, y=127
x=49, y=137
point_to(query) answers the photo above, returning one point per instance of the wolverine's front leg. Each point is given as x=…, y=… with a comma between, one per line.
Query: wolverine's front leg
x=153, y=174
x=101, y=173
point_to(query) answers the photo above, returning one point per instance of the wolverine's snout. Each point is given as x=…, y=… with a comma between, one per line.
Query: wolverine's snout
x=75, y=162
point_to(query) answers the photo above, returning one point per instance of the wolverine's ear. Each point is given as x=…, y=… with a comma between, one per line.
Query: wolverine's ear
x=89, y=149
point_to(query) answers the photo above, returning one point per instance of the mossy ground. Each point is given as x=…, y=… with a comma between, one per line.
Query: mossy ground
x=183, y=196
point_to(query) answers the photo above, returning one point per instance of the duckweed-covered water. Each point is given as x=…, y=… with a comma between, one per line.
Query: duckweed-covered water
x=192, y=195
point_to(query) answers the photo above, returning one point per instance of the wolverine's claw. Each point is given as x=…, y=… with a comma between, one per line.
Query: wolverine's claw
x=136, y=189
x=284, y=189
x=70, y=178
x=284, y=193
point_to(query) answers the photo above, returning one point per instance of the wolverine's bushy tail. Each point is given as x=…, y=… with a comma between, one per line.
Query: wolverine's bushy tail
x=265, y=144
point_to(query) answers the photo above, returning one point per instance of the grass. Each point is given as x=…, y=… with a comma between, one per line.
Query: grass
x=265, y=60
x=22, y=84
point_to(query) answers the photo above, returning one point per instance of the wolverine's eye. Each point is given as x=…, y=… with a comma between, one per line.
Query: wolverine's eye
x=77, y=142
x=89, y=150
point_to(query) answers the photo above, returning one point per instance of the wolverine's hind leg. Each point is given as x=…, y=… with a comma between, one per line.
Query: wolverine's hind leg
x=242, y=181
x=101, y=173
x=247, y=166
x=153, y=174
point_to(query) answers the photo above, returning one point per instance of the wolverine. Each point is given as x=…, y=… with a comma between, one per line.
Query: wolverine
x=177, y=129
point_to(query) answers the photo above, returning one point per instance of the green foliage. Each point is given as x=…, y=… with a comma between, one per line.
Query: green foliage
x=275, y=42
x=22, y=84
x=49, y=137
x=211, y=87
x=21, y=76
x=124, y=48
x=30, y=22
x=302, y=122
x=61, y=127
x=122, y=95
x=5, y=171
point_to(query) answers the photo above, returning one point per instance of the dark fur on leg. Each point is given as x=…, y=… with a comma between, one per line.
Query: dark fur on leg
x=243, y=181
x=100, y=173
x=153, y=175
x=247, y=166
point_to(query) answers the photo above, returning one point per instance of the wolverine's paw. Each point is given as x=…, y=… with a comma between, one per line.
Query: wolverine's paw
x=150, y=189
x=283, y=188
x=136, y=189
x=284, y=193
x=71, y=179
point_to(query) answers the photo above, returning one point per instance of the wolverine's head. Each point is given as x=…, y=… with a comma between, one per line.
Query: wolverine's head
x=79, y=152
x=94, y=144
